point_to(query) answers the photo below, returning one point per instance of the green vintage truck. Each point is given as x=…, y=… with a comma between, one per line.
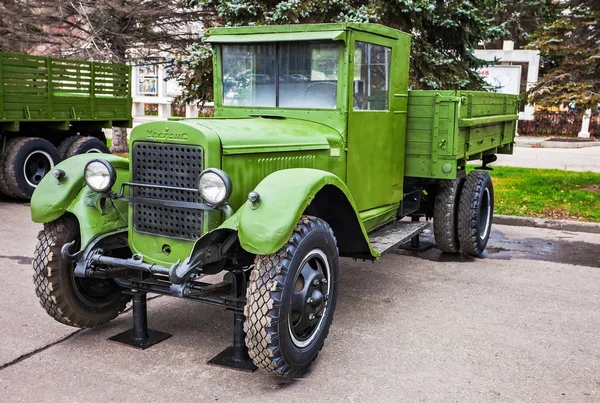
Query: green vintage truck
x=317, y=151
x=52, y=109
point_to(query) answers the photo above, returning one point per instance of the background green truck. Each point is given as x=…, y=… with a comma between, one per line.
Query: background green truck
x=317, y=151
x=51, y=109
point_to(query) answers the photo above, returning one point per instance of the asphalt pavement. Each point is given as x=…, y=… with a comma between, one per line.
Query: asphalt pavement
x=521, y=324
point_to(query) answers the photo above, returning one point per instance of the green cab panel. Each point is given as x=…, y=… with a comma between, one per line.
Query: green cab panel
x=284, y=196
x=52, y=199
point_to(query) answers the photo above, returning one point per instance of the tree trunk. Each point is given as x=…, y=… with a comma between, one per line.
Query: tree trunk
x=119, y=141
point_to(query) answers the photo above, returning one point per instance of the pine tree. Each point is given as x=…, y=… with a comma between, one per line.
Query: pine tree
x=444, y=34
x=520, y=19
x=573, y=42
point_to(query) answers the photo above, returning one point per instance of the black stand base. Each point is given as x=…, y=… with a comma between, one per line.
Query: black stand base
x=128, y=338
x=415, y=243
x=236, y=356
x=420, y=247
x=226, y=359
x=140, y=336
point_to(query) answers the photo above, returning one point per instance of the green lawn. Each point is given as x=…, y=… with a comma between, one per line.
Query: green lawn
x=547, y=193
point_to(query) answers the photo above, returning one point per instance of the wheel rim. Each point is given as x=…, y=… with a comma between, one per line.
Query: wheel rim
x=311, y=291
x=94, y=292
x=485, y=213
x=36, y=165
x=93, y=151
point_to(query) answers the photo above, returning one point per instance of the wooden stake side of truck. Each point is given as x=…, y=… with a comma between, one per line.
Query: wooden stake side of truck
x=52, y=109
x=317, y=151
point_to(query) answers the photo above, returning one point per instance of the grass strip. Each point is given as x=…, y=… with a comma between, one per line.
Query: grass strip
x=547, y=193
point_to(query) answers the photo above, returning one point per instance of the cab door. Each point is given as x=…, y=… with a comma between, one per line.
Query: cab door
x=375, y=139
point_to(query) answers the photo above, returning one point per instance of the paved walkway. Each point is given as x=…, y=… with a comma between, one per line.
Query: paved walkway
x=570, y=159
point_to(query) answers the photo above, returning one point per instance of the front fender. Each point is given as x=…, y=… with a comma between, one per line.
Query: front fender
x=52, y=199
x=284, y=197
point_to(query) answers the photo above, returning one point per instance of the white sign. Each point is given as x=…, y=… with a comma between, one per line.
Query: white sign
x=503, y=79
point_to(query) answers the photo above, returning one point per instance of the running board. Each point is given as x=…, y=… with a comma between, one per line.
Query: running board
x=396, y=234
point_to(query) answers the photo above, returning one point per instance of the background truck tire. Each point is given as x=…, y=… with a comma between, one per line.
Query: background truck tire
x=86, y=144
x=445, y=214
x=78, y=302
x=475, y=212
x=289, y=307
x=64, y=145
x=25, y=162
x=4, y=189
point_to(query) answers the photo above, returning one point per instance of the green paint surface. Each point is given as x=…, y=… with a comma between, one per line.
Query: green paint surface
x=363, y=147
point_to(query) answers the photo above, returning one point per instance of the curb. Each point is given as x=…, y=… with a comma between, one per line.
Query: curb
x=564, y=225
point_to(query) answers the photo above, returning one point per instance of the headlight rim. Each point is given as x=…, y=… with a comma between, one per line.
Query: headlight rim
x=226, y=181
x=111, y=171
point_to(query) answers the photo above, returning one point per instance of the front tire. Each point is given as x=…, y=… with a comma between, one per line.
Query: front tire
x=475, y=212
x=79, y=302
x=291, y=299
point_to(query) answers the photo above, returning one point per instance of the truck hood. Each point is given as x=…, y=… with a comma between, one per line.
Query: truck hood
x=265, y=134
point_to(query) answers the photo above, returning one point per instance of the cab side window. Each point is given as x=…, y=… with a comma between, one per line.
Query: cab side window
x=371, y=77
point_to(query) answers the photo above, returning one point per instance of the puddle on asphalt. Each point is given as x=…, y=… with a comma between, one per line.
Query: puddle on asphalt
x=18, y=259
x=499, y=247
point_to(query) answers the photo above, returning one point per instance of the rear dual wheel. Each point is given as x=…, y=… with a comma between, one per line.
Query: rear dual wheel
x=291, y=299
x=463, y=213
x=475, y=212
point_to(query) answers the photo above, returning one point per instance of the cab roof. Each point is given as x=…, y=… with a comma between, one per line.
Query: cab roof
x=298, y=32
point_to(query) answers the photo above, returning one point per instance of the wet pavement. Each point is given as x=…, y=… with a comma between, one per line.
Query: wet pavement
x=521, y=324
x=525, y=243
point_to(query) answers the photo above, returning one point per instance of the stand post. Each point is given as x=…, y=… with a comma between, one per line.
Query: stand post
x=414, y=241
x=236, y=356
x=140, y=336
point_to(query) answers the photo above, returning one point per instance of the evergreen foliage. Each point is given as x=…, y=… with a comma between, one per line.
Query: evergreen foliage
x=520, y=19
x=572, y=41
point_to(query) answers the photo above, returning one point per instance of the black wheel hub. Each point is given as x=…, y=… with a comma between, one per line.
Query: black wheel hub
x=36, y=166
x=309, y=301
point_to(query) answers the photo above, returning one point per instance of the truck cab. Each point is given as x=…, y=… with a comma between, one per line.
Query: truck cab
x=317, y=151
x=352, y=78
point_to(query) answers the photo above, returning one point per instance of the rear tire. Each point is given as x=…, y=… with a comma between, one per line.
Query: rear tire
x=63, y=147
x=445, y=214
x=291, y=298
x=87, y=145
x=475, y=212
x=79, y=302
x=25, y=162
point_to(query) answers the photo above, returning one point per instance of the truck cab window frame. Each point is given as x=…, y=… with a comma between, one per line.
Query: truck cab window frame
x=372, y=68
x=295, y=75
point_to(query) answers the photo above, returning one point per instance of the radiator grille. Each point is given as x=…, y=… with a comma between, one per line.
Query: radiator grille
x=167, y=165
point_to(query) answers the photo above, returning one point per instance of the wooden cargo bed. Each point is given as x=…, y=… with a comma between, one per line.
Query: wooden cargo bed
x=36, y=89
x=445, y=129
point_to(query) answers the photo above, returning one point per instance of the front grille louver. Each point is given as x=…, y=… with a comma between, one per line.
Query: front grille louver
x=167, y=165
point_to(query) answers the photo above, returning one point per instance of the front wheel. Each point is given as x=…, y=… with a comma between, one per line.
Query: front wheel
x=475, y=211
x=291, y=299
x=74, y=301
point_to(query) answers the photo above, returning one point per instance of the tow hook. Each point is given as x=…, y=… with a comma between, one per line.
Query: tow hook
x=67, y=255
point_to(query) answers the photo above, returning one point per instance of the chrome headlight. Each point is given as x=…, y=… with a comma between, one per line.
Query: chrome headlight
x=214, y=186
x=100, y=175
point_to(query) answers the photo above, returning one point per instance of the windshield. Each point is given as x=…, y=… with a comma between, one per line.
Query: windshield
x=304, y=76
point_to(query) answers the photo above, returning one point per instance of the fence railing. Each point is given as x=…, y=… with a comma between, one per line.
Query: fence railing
x=558, y=124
